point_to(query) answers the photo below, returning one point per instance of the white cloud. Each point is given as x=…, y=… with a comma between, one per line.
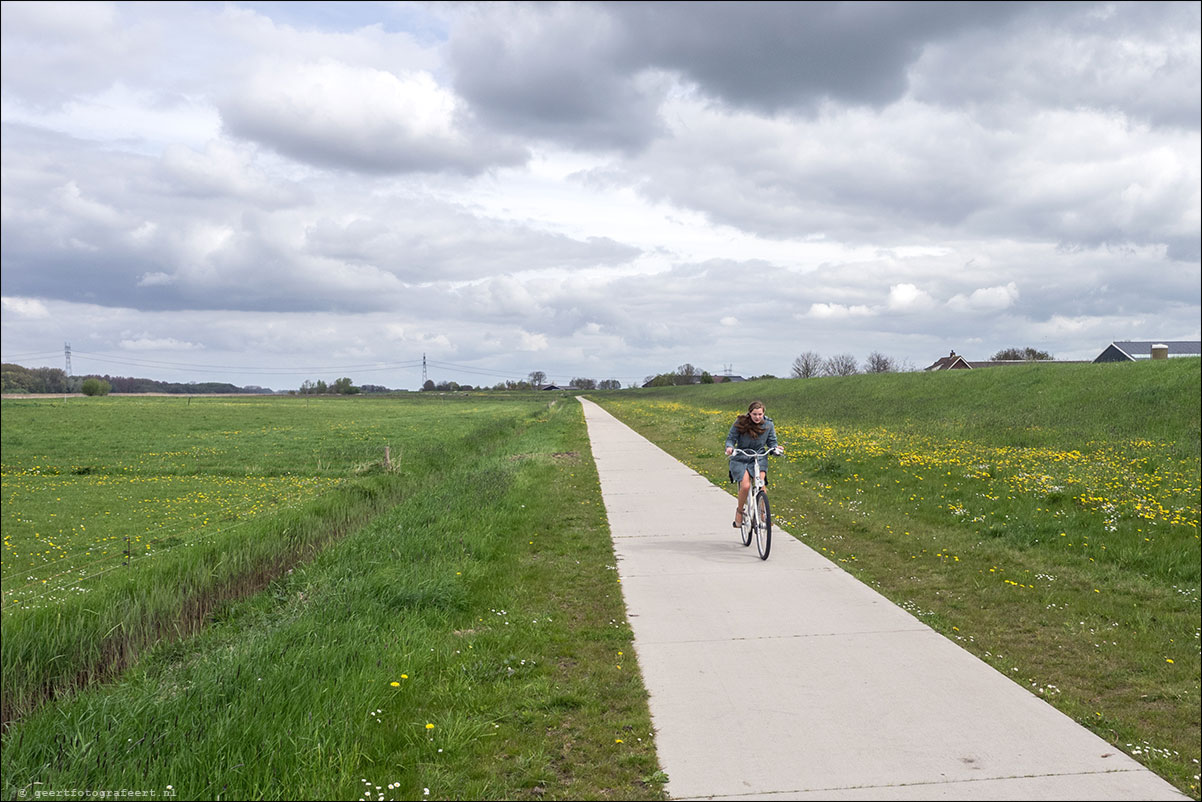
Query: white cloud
x=26, y=308
x=223, y=169
x=837, y=311
x=532, y=342
x=986, y=299
x=331, y=113
x=909, y=298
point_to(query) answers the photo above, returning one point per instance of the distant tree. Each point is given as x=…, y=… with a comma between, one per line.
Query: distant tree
x=879, y=363
x=15, y=378
x=429, y=385
x=840, y=365
x=707, y=377
x=807, y=365
x=537, y=378
x=52, y=380
x=95, y=386
x=686, y=373
x=583, y=384
x=661, y=380
x=609, y=384
x=18, y=379
x=1029, y=354
x=344, y=386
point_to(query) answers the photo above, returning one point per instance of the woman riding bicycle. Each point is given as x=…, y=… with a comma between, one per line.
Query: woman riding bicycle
x=751, y=432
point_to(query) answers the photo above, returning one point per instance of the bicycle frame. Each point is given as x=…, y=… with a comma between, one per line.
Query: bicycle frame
x=757, y=517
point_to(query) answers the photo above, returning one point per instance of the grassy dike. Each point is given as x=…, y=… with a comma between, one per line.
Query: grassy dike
x=469, y=642
x=1046, y=518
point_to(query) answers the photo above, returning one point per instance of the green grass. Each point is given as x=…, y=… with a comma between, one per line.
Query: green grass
x=469, y=639
x=1044, y=517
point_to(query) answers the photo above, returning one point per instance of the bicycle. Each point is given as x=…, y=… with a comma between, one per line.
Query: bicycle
x=757, y=513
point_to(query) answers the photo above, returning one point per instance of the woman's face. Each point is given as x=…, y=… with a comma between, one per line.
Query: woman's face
x=757, y=415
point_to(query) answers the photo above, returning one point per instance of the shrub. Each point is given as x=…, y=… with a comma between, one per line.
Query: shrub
x=94, y=386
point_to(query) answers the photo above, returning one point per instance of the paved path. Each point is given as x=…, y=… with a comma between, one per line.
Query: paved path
x=790, y=679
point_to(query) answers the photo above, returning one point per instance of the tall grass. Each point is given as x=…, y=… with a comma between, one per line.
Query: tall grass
x=468, y=642
x=80, y=603
x=1046, y=517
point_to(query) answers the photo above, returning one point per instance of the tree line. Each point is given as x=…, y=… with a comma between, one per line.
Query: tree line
x=810, y=364
x=536, y=380
x=19, y=379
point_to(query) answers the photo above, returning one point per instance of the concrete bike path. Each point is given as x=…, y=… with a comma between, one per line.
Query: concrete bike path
x=791, y=679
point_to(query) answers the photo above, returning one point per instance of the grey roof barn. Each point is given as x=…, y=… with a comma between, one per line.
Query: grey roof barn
x=1133, y=350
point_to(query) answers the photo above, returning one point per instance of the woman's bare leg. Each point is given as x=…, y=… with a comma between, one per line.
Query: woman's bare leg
x=744, y=489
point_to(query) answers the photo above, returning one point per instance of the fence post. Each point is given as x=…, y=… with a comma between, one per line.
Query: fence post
x=387, y=458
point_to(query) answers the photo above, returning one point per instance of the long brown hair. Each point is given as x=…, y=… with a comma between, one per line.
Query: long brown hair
x=745, y=425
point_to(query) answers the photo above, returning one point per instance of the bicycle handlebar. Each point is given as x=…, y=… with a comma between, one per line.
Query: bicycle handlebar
x=763, y=453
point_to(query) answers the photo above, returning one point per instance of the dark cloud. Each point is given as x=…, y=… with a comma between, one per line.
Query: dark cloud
x=552, y=71
x=772, y=56
x=584, y=74
x=594, y=75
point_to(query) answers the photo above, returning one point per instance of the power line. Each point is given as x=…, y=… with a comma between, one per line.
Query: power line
x=31, y=355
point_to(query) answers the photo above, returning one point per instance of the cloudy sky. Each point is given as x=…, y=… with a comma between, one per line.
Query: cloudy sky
x=263, y=193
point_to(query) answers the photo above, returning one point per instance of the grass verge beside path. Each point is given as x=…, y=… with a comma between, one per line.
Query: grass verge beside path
x=1046, y=518
x=470, y=643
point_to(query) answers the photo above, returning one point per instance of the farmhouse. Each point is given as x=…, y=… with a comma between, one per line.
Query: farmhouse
x=1134, y=350
x=954, y=361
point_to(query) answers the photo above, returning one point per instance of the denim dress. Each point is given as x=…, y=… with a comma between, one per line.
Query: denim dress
x=740, y=464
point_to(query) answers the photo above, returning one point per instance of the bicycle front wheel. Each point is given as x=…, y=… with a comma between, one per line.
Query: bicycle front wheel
x=763, y=530
x=748, y=523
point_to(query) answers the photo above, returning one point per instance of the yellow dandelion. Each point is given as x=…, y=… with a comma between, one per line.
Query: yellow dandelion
x=395, y=684
x=429, y=726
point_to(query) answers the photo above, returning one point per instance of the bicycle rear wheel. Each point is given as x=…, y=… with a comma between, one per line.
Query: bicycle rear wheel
x=748, y=523
x=763, y=531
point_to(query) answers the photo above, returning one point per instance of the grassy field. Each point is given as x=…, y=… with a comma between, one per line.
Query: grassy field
x=297, y=621
x=1045, y=517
